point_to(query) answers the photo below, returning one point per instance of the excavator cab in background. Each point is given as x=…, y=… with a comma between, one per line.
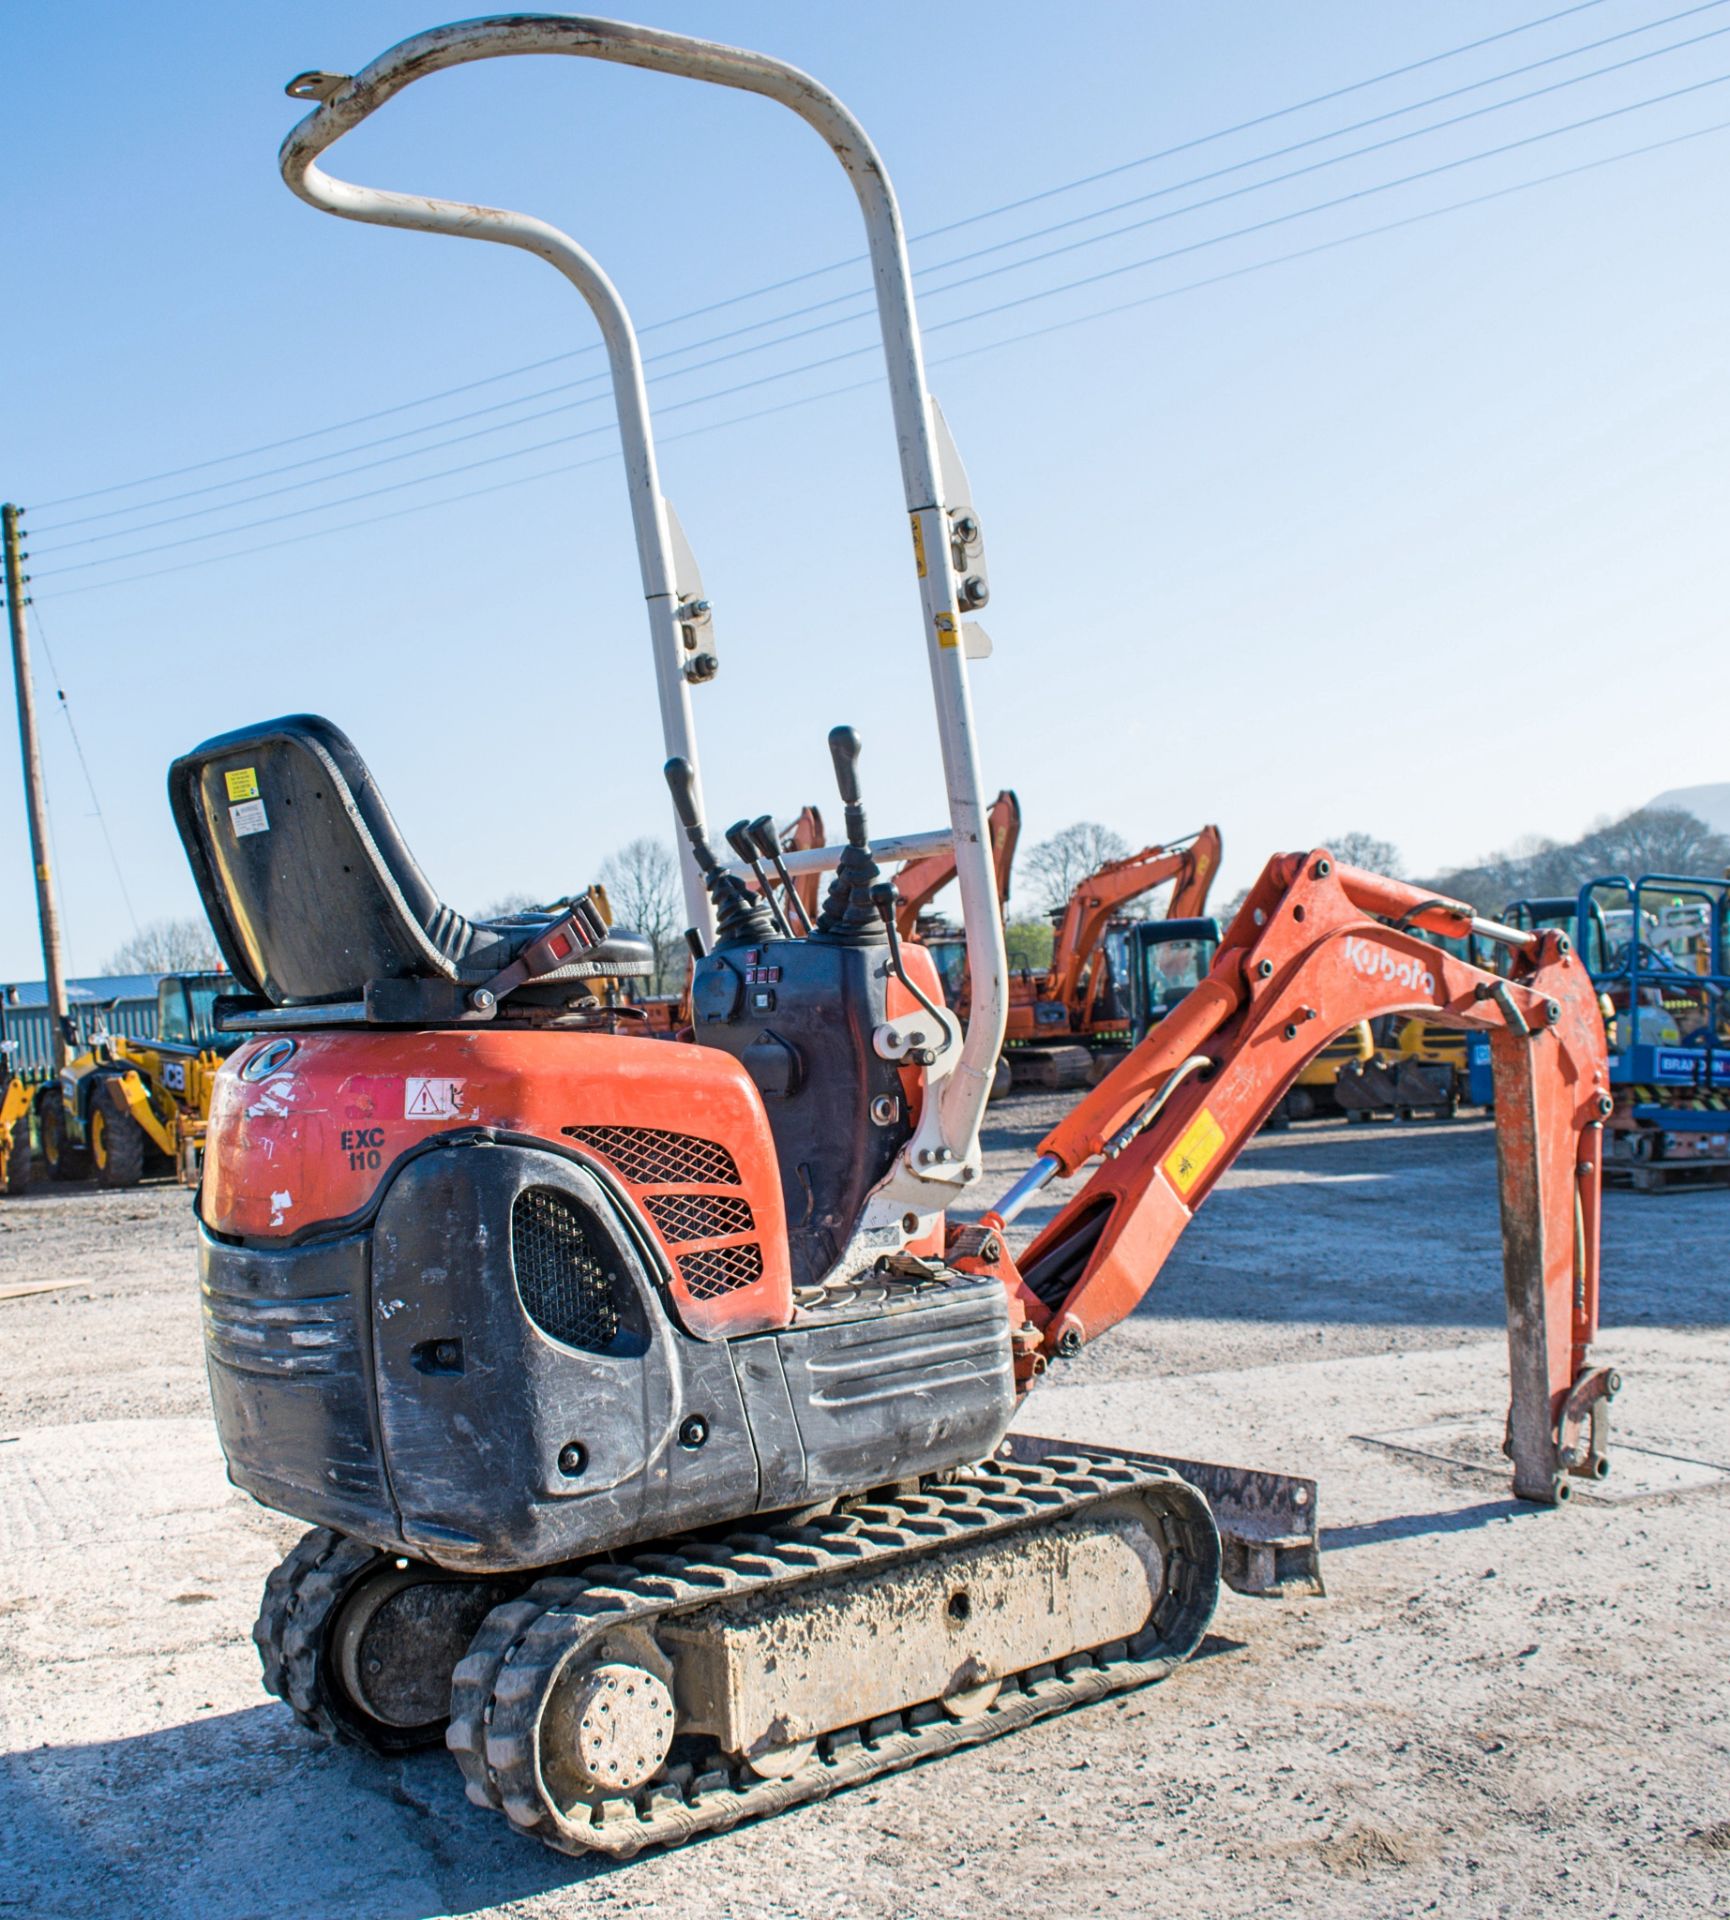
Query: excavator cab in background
x=1160, y=962
x=631, y=1390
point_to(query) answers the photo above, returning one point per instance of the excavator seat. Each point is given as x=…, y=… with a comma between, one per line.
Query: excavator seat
x=312, y=891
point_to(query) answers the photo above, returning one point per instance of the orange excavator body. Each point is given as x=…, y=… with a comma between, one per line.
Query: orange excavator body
x=1313, y=950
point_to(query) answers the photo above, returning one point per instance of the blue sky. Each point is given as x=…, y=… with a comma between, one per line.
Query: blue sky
x=1420, y=534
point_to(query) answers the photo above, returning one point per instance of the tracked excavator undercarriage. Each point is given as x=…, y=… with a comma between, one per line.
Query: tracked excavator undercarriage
x=651, y=1405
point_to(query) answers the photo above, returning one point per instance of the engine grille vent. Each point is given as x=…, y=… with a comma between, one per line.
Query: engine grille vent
x=713, y=1271
x=698, y=1216
x=565, y=1272
x=648, y=1157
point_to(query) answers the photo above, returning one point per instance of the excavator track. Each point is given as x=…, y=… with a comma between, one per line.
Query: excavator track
x=326, y=1580
x=503, y=1688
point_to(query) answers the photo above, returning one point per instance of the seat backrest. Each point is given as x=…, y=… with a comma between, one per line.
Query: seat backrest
x=309, y=886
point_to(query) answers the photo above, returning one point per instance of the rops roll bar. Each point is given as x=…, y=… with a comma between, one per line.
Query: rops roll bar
x=951, y=1120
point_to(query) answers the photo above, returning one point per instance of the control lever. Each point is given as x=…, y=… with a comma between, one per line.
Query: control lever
x=844, y=749
x=682, y=784
x=740, y=840
x=740, y=917
x=768, y=841
x=847, y=912
x=884, y=898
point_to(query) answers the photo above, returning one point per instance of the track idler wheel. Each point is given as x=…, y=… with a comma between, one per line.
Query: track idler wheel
x=362, y=1644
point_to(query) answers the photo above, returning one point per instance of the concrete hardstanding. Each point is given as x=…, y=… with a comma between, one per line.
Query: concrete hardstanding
x=1496, y=1710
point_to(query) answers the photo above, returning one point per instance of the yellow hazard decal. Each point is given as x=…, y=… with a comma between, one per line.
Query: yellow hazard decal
x=948, y=633
x=919, y=546
x=242, y=783
x=1193, y=1154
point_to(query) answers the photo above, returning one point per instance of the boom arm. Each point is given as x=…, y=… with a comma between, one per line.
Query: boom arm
x=920, y=881
x=1088, y=911
x=1310, y=953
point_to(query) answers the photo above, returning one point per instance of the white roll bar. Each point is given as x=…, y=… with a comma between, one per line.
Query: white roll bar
x=951, y=1120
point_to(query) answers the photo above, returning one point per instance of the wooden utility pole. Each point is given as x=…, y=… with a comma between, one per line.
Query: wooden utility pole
x=35, y=799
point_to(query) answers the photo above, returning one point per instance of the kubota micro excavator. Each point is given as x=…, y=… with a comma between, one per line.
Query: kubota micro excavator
x=633, y=1389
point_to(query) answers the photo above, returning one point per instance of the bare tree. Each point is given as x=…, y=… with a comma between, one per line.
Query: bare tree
x=1365, y=850
x=642, y=883
x=1660, y=840
x=508, y=904
x=167, y=946
x=1059, y=865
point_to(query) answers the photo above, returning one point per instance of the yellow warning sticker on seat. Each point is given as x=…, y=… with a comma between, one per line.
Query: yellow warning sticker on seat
x=242, y=783
x=1194, y=1152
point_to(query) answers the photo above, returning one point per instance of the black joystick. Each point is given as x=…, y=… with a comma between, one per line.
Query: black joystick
x=740, y=839
x=741, y=919
x=848, y=913
x=768, y=841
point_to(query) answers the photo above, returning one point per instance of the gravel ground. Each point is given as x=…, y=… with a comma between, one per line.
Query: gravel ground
x=1496, y=1711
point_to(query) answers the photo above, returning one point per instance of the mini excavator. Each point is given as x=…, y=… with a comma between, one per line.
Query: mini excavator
x=631, y=1389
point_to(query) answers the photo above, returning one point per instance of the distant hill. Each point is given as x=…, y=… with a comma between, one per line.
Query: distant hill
x=1672, y=835
x=1711, y=804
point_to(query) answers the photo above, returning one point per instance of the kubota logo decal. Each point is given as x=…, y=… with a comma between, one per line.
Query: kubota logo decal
x=272, y=1055
x=1379, y=963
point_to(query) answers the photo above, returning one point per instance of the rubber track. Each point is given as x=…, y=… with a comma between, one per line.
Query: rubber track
x=500, y=1686
x=289, y=1632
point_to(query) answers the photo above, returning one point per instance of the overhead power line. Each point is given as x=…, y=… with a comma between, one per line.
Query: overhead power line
x=930, y=233
x=856, y=294
x=967, y=353
x=89, y=779
x=1003, y=306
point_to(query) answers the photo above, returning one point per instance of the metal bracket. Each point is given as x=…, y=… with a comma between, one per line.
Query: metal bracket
x=693, y=613
x=1588, y=1406
x=966, y=541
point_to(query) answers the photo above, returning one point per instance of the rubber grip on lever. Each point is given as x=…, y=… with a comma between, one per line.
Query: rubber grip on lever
x=844, y=746
x=682, y=782
x=764, y=837
x=740, y=840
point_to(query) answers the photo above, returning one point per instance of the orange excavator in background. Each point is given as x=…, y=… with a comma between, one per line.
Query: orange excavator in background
x=1077, y=1002
x=920, y=881
x=1077, y=983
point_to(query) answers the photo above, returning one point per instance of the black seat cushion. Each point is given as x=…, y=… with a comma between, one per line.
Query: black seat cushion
x=309, y=886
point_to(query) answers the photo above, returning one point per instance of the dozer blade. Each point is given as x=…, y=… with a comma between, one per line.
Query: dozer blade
x=676, y=1692
x=1269, y=1533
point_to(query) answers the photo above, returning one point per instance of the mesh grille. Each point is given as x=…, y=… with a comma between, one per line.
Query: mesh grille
x=563, y=1274
x=718, y=1270
x=698, y=1216
x=648, y=1157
